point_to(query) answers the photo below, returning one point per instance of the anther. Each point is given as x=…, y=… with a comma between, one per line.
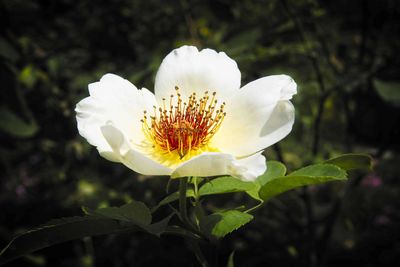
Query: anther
x=184, y=128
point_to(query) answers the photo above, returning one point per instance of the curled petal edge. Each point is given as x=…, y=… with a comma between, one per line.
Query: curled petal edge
x=130, y=157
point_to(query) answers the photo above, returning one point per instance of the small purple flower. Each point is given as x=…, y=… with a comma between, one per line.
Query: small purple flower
x=372, y=180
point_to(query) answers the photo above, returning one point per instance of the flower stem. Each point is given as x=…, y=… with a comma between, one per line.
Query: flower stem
x=178, y=231
x=197, y=205
x=196, y=191
x=194, y=246
x=182, y=199
x=193, y=243
x=254, y=208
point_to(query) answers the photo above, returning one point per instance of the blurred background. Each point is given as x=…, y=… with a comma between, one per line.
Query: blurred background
x=344, y=56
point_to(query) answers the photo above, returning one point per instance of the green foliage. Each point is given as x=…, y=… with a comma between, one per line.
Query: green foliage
x=274, y=169
x=13, y=125
x=171, y=198
x=50, y=52
x=131, y=217
x=135, y=212
x=58, y=231
x=221, y=223
x=352, y=161
x=231, y=262
x=323, y=170
x=310, y=175
x=136, y=216
x=8, y=51
x=239, y=42
x=389, y=91
x=273, y=182
x=224, y=185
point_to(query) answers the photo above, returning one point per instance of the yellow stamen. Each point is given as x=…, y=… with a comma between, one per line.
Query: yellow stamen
x=184, y=127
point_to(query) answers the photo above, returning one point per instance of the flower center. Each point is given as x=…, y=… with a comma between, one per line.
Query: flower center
x=184, y=126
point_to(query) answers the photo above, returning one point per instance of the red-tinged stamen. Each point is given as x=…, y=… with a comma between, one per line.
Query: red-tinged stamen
x=185, y=126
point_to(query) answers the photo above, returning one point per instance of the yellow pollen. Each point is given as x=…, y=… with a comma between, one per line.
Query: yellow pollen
x=184, y=127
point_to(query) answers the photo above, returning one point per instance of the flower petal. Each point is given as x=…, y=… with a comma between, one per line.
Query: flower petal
x=197, y=71
x=130, y=157
x=248, y=169
x=258, y=116
x=215, y=163
x=90, y=115
x=204, y=165
x=117, y=100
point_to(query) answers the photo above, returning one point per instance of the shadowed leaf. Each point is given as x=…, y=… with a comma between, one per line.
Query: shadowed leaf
x=58, y=231
x=134, y=216
x=135, y=212
x=13, y=125
x=352, y=162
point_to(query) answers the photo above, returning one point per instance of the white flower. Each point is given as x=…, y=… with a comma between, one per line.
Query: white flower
x=199, y=122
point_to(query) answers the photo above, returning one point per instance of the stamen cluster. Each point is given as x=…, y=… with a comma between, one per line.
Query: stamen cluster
x=184, y=126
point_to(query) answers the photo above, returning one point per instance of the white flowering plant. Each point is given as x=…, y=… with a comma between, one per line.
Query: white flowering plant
x=201, y=129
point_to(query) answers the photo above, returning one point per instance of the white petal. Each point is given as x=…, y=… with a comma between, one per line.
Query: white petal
x=287, y=86
x=279, y=124
x=248, y=169
x=130, y=157
x=257, y=117
x=90, y=115
x=113, y=99
x=214, y=163
x=204, y=165
x=197, y=71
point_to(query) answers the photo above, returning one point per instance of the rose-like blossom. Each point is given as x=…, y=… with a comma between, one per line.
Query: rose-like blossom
x=198, y=122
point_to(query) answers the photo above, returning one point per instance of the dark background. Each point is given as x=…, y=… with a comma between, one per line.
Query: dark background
x=344, y=56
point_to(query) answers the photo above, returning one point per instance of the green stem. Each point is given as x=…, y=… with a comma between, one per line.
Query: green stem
x=196, y=191
x=178, y=231
x=254, y=208
x=182, y=199
x=193, y=244
x=197, y=204
x=198, y=253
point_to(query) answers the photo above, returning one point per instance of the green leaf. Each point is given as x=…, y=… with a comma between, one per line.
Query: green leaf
x=171, y=198
x=323, y=170
x=219, y=185
x=15, y=126
x=226, y=184
x=179, y=231
x=8, y=51
x=222, y=223
x=58, y=231
x=231, y=262
x=29, y=76
x=66, y=229
x=135, y=212
x=313, y=174
x=159, y=227
x=352, y=162
x=240, y=42
x=389, y=91
x=274, y=169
